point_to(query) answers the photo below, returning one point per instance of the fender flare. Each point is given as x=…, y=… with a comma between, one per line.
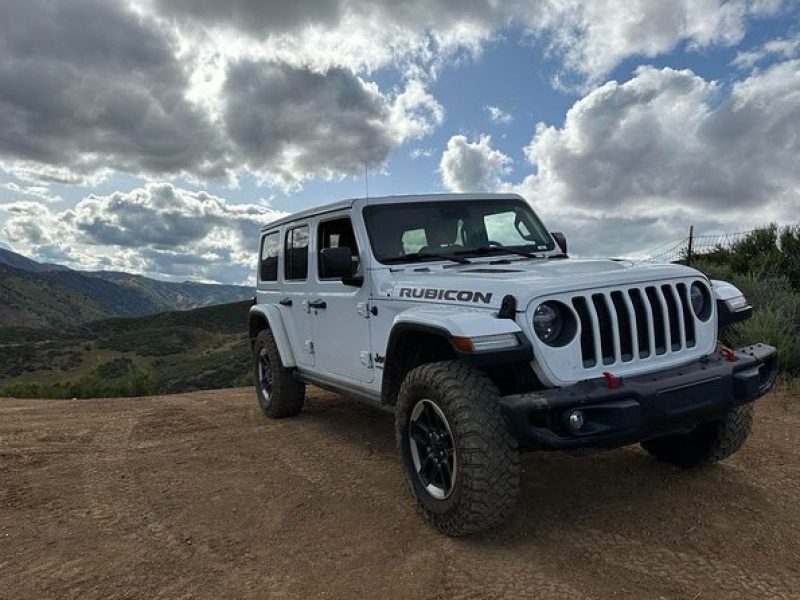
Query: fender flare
x=445, y=325
x=454, y=322
x=269, y=316
x=723, y=291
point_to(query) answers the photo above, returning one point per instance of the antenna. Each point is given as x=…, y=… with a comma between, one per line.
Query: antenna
x=366, y=179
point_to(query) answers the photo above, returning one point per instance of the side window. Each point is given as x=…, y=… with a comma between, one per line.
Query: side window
x=337, y=233
x=270, y=248
x=295, y=259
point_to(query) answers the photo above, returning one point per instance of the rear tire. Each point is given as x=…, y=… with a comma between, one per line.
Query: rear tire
x=707, y=443
x=279, y=394
x=482, y=458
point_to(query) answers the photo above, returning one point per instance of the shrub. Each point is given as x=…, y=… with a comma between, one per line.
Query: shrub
x=767, y=252
x=776, y=318
x=116, y=368
x=139, y=383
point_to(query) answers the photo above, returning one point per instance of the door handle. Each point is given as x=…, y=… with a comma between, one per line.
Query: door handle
x=319, y=304
x=285, y=301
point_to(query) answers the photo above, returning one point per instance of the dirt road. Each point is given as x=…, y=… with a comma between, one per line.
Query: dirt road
x=196, y=496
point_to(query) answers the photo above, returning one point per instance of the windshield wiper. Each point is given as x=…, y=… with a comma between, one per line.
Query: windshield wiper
x=498, y=249
x=418, y=256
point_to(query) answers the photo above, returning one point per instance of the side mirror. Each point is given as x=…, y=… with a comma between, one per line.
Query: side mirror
x=560, y=239
x=337, y=263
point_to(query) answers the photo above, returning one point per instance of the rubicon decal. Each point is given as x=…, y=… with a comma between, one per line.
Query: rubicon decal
x=450, y=295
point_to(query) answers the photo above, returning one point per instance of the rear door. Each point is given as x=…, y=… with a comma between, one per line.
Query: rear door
x=340, y=313
x=269, y=288
x=294, y=297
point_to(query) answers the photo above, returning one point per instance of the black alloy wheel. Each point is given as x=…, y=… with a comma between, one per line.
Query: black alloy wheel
x=265, y=377
x=432, y=449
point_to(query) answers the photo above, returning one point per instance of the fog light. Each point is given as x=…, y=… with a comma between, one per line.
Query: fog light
x=575, y=420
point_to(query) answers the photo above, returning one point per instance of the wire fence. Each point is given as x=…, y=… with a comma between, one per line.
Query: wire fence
x=693, y=245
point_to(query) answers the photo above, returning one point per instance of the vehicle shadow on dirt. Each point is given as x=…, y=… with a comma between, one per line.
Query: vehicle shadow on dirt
x=623, y=491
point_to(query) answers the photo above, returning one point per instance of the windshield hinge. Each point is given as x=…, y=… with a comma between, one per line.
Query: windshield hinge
x=508, y=308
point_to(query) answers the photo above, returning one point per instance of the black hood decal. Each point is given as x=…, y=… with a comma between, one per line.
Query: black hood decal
x=448, y=295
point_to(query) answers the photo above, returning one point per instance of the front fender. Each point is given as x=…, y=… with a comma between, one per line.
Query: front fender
x=456, y=322
x=271, y=315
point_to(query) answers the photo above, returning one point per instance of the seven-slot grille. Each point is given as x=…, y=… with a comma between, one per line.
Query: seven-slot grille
x=619, y=326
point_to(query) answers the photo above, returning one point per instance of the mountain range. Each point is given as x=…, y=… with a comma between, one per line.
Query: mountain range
x=41, y=295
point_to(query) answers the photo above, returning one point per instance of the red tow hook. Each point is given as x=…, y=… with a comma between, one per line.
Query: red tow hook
x=729, y=354
x=611, y=380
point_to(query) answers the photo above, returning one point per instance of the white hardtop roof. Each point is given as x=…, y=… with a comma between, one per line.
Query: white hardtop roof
x=345, y=204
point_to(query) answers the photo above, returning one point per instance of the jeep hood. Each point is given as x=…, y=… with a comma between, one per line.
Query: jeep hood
x=525, y=279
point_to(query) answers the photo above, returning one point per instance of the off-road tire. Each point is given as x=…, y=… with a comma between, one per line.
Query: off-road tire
x=707, y=443
x=487, y=470
x=287, y=395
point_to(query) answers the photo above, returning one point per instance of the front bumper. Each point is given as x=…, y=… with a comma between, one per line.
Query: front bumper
x=641, y=407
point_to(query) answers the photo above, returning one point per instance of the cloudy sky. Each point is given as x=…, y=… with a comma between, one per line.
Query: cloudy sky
x=156, y=136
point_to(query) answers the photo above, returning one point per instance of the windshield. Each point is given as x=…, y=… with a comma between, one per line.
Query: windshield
x=436, y=230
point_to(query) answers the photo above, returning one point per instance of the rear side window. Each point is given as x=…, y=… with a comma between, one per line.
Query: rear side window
x=270, y=248
x=296, y=256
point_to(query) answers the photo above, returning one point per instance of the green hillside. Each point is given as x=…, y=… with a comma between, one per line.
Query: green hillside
x=38, y=295
x=34, y=300
x=204, y=348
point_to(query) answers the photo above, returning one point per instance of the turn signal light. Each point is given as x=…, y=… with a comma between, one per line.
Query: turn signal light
x=463, y=343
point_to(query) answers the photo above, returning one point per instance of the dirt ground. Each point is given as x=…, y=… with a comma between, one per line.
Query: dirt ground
x=197, y=496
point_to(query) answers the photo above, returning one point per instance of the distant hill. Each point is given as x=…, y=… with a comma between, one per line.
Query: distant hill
x=177, y=296
x=203, y=348
x=41, y=295
x=18, y=261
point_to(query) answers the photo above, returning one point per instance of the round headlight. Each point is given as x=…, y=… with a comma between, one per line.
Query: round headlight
x=547, y=322
x=698, y=299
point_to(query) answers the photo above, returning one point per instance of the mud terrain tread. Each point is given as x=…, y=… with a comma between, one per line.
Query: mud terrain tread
x=706, y=444
x=288, y=394
x=489, y=471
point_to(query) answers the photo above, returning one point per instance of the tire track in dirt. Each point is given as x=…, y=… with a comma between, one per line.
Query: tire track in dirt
x=468, y=574
x=475, y=574
x=342, y=463
x=197, y=496
x=692, y=571
x=116, y=496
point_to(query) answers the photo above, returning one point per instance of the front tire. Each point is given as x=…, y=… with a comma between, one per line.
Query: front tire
x=707, y=443
x=279, y=394
x=459, y=461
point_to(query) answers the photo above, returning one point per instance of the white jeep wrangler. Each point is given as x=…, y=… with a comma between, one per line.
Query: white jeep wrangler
x=464, y=316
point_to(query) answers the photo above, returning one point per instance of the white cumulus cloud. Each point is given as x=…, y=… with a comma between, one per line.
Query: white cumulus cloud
x=157, y=229
x=641, y=160
x=289, y=124
x=472, y=166
x=208, y=90
x=780, y=48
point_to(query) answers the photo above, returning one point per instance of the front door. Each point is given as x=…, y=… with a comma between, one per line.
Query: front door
x=340, y=314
